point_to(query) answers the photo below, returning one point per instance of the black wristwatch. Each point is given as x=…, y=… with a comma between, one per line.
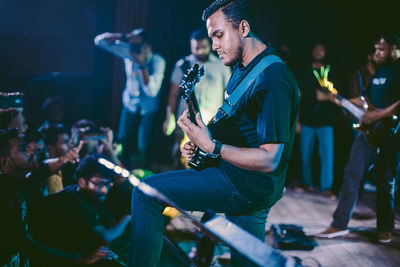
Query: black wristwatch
x=217, y=150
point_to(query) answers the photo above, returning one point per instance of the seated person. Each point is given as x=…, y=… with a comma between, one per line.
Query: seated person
x=95, y=139
x=75, y=219
x=56, y=137
x=12, y=118
x=16, y=192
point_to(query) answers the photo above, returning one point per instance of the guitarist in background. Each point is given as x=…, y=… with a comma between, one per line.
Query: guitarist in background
x=254, y=150
x=383, y=92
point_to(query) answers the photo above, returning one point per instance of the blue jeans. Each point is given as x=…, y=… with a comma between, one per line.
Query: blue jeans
x=308, y=137
x=135, y=134
x=191, y=190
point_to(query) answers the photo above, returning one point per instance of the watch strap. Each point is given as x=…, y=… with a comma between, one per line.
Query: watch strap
x=217, y=149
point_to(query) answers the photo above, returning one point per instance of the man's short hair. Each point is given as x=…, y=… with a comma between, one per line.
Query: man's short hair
x=88, y=125
x=198, y=35
x=234, y=10
x=51, y=132
x=89, y=167
x=5, y=137
x=389, y=37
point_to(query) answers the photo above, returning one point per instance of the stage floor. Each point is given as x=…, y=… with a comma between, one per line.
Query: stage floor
x=314, y=213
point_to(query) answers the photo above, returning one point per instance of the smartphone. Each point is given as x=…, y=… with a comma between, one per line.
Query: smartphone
x=11, y=100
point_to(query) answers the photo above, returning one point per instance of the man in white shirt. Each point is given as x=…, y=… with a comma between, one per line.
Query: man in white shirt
x=210, y=89
x=144, y=74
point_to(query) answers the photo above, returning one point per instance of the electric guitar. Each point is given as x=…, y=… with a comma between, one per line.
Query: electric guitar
x=375, y=132
x=200, y=158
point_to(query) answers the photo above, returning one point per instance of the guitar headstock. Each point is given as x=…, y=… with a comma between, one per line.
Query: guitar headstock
x=329, y=86
x=190, y=80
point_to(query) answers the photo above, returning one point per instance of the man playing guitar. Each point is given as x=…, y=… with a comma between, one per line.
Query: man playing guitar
x=254, y=147
x=384, y=93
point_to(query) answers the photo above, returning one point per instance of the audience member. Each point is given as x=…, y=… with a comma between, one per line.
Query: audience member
x=13, y=119
x=144, y=75
x=53, y=110
x=75, y=219
x=16, y=195
x=316, y=121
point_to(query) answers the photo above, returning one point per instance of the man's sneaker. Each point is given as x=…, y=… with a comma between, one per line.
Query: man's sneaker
x=332, y=232
x=384, y=237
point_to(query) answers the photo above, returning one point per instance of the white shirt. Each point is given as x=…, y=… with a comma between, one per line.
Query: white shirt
x=137, y=94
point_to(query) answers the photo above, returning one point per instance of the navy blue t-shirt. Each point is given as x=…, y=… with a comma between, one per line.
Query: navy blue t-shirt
x=267, y=113
x=384, y=89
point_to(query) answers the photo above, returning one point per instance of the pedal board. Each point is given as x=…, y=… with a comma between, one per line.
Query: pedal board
x=291, y=237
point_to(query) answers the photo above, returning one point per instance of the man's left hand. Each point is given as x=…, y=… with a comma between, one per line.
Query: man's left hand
x=199, y=134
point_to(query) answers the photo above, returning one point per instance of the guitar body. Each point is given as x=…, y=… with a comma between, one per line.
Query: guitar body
x=201, y=161
x=374, y=132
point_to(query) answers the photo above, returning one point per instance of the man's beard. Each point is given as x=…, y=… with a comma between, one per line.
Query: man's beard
x=203, y=58
x=238, y=56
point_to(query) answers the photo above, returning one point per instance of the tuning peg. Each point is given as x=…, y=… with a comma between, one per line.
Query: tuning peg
x=201, y=71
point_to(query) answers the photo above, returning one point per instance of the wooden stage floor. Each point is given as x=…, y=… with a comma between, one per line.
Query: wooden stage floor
x=314, y=213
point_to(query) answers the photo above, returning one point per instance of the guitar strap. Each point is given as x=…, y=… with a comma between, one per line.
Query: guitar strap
x=242, y=87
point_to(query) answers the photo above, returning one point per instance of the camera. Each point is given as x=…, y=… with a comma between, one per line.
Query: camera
x=11, y=100
x=136, y=48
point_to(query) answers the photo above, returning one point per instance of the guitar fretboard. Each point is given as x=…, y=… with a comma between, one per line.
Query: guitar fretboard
x=351, y=107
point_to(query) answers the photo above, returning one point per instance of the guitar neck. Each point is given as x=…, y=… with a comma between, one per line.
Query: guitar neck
x=193, y=107
x=350, y=107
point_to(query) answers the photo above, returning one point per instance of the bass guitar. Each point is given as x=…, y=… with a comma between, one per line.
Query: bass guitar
x=200, y=158
x=375, y=132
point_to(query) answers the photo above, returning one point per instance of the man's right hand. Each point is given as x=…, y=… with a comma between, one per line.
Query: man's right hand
x=72, y=155
x=188, y=150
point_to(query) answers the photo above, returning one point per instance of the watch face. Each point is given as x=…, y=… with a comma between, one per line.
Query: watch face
x=214, y=156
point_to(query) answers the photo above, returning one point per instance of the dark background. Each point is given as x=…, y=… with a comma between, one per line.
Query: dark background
x=46, y=47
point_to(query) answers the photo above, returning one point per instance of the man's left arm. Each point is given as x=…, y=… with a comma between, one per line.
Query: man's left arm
x=152, y=81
